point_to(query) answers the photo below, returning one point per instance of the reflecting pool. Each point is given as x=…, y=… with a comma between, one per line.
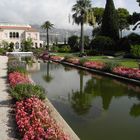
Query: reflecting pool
x=96, y=107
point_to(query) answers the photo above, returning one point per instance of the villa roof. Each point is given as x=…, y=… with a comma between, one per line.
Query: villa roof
x=27, y=29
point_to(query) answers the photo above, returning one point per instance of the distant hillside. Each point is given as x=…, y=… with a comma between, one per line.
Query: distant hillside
x=60, y=34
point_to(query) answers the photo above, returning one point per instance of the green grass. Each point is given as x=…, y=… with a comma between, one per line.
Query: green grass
x=131, y=63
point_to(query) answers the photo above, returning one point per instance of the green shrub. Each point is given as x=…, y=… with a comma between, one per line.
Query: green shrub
x=54, y=48
x=134, y=38
x=16, y=66
x=64, y=49
x=135, y=50
x=102, y=43
x=82, y=61
x=68, y=57
x=110, y=65
x=2, y=51
x=23, y=91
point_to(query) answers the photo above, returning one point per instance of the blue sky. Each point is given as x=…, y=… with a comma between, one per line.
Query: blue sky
x=57, y=11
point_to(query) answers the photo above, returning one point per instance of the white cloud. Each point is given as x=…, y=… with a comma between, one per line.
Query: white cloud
x=38, y=11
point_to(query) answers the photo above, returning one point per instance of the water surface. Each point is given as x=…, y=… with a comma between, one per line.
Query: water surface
x=96, y=107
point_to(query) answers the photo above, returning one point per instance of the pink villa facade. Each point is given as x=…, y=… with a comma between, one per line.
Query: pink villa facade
x=16, y=33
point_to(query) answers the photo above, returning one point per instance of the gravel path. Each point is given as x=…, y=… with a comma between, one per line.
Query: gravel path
x=6, y=117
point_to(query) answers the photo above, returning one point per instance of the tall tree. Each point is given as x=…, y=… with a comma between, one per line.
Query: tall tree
x=110, y=21
x=47, y=26
x=138, y=2
x=83, y=13
x=123, y=16
x=98, y=13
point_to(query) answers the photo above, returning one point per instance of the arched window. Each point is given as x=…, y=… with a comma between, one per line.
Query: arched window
x=17, y=45
x=17, y=35
x=14, y=34
x=10, y=35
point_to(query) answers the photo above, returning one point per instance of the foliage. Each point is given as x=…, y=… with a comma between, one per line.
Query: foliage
x=109, y=66
x=138, y=2
x=86, y=42
x=135, y=50
x=5, y=44
x=27, y=90
x=11, y=47
x=27, y=44
x=83, y=13
x=54, y=48
x=134, y=39
x=123, y=16
x=16, y=66
x=73, y=41
x=2, y=51
x=64, y=49
x=98, y=13
x=47, y=26
x=38, y=51
x=110, y=21
x=135, y=17
x=82, y=61
x=123, y=45
x=35, y=122
x=101, y=43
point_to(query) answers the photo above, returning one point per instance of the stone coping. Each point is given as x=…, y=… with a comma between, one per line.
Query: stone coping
x=61, y=122
x=130, y=80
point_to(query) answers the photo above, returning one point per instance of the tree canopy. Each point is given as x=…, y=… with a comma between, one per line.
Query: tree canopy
x=123, y=19
x=110, y=21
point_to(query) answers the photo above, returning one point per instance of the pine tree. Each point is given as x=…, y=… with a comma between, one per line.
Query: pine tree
x=110, y=21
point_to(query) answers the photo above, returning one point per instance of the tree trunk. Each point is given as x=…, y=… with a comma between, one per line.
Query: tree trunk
x=82, y=38
x=48, y=38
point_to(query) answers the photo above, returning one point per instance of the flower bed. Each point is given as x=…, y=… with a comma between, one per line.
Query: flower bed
x=32, y=115
x=17, y=78
x=128, y=72
x=35, y=123
x=93, y=64
x=58, y=58
x=73, y=60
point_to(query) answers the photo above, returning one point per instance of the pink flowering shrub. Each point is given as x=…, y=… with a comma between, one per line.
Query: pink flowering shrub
x=17, y=78
x=129, y=72
x=59, y=58
x=35, y=123
x=73, y=60
x=94, y=64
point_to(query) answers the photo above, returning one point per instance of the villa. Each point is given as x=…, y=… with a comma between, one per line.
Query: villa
x=16, y=33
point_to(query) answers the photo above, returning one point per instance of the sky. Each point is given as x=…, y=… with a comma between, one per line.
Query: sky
x=56, y=11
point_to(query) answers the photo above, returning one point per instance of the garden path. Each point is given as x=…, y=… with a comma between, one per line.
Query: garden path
x=6, y=119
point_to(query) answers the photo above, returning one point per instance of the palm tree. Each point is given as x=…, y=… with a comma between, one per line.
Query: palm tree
x=83, y=13
x=47, y=26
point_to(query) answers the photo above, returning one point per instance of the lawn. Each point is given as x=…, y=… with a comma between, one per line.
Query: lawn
x=131, y=63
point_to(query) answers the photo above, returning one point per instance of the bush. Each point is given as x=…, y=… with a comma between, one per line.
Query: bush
x=24, y=91
x=73, y=41
x=54, y=48
x=64, y=49
x=102, y=43
x=135, y=50
x=123, y=45
x=82, y=61
x=68, y=57
x=16, y=66
x=2, y=51
x=134, y=39
x=109, y=66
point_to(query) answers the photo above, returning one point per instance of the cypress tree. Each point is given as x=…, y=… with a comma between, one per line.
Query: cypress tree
x=110, y=21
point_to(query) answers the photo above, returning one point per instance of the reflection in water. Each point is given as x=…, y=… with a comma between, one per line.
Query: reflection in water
x=81, y=102
x=135, y=110
x=48, y=77
x=90, y=102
